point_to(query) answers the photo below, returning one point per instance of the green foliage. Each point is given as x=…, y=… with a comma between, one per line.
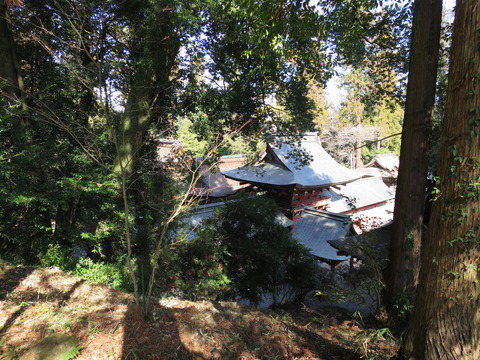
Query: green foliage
x=364, y=120
x=370, y=35
x=254, y=52
x=51, y=192
x=403, y=306
x=186, y=132
x=369, y=338
x=242, y=252
x=189, y=140
x=462, y=209
x=262, y=255
x=195, y=270
x=56, y=255
x=72, y=353
x=114, y=275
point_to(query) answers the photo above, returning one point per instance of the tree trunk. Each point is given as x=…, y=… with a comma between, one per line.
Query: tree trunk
x=446, y=319
x=403, y=268
x=358, y=154
x=136, y=120
x=10, y=79
x=148, y=96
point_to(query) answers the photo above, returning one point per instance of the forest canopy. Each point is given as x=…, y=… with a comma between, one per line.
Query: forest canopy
x=89, y=87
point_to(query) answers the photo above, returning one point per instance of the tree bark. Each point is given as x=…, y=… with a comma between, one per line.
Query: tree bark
x=155, y=61
x=11, y=81
x=405, y=244
x=358, y=153
x=446, y=319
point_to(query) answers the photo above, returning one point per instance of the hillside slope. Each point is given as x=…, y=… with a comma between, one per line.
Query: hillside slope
x=35, y=303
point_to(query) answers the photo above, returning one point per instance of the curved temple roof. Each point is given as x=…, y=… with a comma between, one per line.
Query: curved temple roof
x=202, y=212
x=358, y=194
x=286, y=170
x=316, y=227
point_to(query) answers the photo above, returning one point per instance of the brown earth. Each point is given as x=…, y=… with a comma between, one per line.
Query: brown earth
x=35, y=303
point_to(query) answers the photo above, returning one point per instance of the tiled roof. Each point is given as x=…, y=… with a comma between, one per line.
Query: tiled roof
x=316, y=227
x=358, y=194
x=385, y=161
x=168, y=149
x=214, y=184
x=202, y=212
x=283, y=169
x=370, y=245
x=370, y=171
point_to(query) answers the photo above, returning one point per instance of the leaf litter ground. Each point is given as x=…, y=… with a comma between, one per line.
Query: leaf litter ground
x=35, y=303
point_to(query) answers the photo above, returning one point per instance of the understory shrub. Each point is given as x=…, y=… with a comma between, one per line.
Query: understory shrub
x=194, y=270
x=57, y=255
x=114, y=275
x=241, y=252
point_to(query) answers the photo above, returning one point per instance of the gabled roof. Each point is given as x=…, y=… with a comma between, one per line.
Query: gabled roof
x=281, y=168
x=214, y=184
x=200, y=213
x=358, y=194
x=370, y=245
x=316, y=227
x=168, y=149
x=197, y=214
x=388, y=162
x=370, y=171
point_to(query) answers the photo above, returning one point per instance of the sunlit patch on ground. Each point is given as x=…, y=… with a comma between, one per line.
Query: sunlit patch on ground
x=36, y=303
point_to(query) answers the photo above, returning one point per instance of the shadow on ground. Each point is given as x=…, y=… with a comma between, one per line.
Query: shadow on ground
x=9, y=280
x=205, y=330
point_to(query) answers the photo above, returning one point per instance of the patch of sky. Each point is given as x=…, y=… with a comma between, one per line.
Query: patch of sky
x=334, y=92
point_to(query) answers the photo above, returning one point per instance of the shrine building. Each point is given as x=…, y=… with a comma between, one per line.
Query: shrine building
x=295, y=175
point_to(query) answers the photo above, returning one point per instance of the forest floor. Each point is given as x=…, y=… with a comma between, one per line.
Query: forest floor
x=35, y=303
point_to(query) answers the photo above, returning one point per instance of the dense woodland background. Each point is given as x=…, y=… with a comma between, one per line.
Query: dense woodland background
x=94, y=86
x=89, y=87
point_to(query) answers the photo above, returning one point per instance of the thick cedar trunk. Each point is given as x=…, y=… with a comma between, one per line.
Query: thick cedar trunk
x=446, y=319
x=10, y=79
x=148, y=94
x=140, y=111
x=403, y=268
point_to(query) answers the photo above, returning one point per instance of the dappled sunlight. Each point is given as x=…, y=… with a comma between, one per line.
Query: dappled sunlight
x=226, y=330
x=47, y=302
x=108, y=325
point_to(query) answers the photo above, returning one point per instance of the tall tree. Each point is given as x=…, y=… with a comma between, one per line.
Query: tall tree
x=157, y=30
x=446, y=319
x=10, y=76
x=256, y=52
x=352, y=111
x=11, y=80
x=130, y=51
x=404, y=257
x=363, y=118
x=371, y=35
